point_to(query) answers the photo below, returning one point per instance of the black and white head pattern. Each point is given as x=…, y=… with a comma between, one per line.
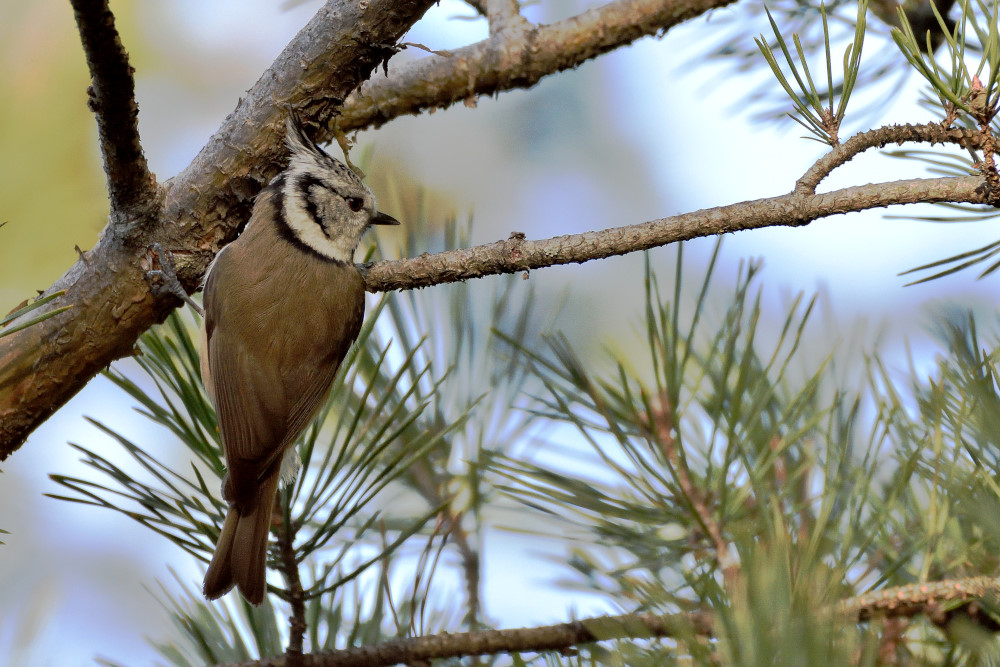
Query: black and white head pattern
x=325, y=206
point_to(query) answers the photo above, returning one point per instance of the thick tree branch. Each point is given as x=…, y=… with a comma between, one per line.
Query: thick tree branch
x=513, y=58
x=132, y=189
x=203, y=207
x=939, y=601
x=43, y=366
x=792, y=210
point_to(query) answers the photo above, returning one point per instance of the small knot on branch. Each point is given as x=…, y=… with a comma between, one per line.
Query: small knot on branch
x=514, y=246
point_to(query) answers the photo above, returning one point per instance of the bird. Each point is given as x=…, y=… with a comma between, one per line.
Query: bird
x=282, y=305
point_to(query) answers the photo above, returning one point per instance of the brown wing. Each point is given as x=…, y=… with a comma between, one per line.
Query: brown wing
x=273, y=348
x=327, y=330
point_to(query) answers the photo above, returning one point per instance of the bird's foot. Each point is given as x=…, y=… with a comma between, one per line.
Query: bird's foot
x=163, y=281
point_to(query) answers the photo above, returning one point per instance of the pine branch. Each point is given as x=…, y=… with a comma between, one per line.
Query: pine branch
x=132, y=189
x=938, y=600
x=503, y=15
x=44, y=366
x=490, y=642
x=800, y=207
x=516, y=55
x=840, y=155
x=934, y=599
x=792, y=210
x=202, y=208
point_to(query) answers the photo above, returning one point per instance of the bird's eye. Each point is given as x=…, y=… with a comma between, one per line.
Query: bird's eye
x=355, y=203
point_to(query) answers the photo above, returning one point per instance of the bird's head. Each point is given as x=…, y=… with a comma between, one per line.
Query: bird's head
x=325, y=204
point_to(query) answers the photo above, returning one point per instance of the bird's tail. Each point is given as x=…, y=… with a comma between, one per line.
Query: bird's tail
x=241, y=553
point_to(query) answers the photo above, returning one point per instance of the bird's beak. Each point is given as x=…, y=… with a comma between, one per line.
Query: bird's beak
x=383, y=219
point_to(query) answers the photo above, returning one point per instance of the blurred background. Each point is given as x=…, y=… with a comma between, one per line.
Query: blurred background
x=648, y=131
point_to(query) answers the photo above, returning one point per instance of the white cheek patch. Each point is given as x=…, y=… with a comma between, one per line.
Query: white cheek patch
x=310, y=233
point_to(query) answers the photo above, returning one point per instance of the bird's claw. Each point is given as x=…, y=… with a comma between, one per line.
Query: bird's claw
x=164, y=281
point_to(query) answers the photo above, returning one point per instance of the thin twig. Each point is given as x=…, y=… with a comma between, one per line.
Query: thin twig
x=428, y=486
x=478, y=5
x=518, y=254
x=661, y=427
x=112, y=99
x=296, y=596
x=932, y=133
x=471, y=570
x=427, y=564
x=893, y=638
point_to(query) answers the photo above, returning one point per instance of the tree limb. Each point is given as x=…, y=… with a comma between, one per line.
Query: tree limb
x=478, y=5
x=490, y=642
x=939, y=601
x=513, y=58
x=931, y=133
x=203, y=207
x=45, y=365
x=132, y=189
x=503, y=15
x=934, y=599
x=289, y=567
x=792, y=210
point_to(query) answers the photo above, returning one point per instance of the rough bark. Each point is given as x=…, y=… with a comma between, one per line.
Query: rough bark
x=516, y=55
x=197, y=212
x=520, y=254
x=194, y=214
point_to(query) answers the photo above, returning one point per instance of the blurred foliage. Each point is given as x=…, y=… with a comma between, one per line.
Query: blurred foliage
x=722, y=481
